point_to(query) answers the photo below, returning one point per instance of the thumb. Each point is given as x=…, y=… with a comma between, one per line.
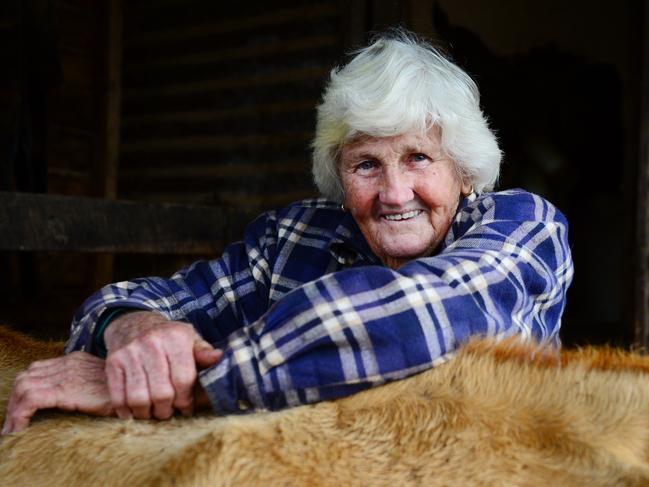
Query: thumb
x=205, y=354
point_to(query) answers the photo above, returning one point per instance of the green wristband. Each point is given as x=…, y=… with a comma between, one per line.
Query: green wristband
x=105, y=319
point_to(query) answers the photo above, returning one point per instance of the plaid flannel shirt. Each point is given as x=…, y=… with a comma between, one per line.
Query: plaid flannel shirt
x=305, y=312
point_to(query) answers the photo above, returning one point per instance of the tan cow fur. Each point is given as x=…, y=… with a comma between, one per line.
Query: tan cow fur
x=504, y=415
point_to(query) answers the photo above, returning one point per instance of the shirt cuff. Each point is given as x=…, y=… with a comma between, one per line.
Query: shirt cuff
x=110, y=314
x=233, y=389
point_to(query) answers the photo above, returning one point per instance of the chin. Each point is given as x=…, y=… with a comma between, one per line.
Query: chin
x=405, y=253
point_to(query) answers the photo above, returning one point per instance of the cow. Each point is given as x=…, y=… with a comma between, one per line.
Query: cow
x=498, y=414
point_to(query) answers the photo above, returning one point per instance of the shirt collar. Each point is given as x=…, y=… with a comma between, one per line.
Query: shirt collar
x=348, y=245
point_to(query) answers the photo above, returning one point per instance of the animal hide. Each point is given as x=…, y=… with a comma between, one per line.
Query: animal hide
x=496, y=415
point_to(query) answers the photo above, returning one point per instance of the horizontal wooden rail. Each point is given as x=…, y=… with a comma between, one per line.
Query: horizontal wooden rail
x=36, y=222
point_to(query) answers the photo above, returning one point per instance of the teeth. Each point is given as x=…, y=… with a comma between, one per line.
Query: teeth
x=402, y=216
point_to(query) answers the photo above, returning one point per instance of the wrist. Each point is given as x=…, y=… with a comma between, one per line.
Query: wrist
x=128, y=325
x=106, y=318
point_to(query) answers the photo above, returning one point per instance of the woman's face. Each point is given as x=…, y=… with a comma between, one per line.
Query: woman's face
x=402, y=191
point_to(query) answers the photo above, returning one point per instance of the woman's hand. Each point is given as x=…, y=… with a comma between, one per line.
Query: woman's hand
x=75, y=382
x=152, y=365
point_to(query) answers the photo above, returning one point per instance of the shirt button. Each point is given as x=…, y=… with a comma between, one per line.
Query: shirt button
x=243, y=405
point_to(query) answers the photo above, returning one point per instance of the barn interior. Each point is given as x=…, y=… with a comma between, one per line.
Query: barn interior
x=134, y=117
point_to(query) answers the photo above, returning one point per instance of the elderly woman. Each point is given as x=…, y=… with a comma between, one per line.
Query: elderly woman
x=407, y=257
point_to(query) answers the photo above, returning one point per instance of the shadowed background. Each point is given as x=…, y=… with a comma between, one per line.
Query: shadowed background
x=212, y=103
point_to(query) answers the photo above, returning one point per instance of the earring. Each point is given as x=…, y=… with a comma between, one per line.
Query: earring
x=470, y=191
x=342, y=207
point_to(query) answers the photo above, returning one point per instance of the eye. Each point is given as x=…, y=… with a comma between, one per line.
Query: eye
x=365, y=166
x=419, y=157
x=418, y=160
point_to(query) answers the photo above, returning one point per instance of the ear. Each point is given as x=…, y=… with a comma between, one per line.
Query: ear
x=466, y=188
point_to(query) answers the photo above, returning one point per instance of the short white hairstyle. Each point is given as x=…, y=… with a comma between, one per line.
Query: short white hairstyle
x=396, y=85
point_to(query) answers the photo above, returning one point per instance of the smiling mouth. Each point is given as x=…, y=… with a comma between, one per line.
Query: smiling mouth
x=402, y=216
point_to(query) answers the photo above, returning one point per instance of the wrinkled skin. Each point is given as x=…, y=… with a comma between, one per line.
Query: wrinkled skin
x=74, y=382
x=151, y=370
x=403, y=192
x=152, y=365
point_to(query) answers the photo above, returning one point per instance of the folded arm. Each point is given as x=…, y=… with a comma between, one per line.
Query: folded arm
x=504, y=270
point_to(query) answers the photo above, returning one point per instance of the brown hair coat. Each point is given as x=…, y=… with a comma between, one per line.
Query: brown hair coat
x=498, y=415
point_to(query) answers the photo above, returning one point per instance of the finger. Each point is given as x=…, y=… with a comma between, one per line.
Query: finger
x=6, y=427
x=205, y=354
x=161, y=390
x=79, y=361
x=117, y=389
x=138, y=399
x=24, y=405
x=183, y=376
x=21, y=422
x=46, y=368
x=14, y=406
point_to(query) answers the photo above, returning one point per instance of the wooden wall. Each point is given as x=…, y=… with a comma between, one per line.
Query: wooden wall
x=213, y=103
x=56, y=100
x=219, y=99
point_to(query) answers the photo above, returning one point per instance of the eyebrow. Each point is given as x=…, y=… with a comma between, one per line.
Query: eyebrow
x=411, y=148
x=434, y=151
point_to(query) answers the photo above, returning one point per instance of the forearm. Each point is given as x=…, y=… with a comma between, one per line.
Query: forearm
x=127, y=326
x=312, y=346
x=204, y=294
x=133, y=295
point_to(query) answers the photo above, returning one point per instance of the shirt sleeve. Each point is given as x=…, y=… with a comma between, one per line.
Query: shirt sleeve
x=216, y=297
x=504, y=269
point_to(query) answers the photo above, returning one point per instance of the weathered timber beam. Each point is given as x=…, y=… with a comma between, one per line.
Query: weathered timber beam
x=35, y=222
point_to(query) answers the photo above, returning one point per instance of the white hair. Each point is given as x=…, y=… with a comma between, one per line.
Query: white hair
x=393, y=86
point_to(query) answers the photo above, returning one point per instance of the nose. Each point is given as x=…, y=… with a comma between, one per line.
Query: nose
x=396, y=187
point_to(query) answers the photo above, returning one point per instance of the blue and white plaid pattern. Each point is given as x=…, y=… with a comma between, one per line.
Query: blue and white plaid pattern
x=305, y=312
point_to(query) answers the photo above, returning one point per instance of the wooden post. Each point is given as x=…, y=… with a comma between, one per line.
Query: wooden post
x=113, y=88
x=642, y=276
x=109, y=147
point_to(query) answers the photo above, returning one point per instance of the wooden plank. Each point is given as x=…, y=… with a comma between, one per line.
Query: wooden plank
x=212, y=142
x=203, y=171
x=211, y=115
x=247, y=203
x=270, y=125
x=214, y=85
x=233, y=25
x=254, y=183
x=244, y=154
x=642, y=273
x=35, y=222
x=235, y=53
